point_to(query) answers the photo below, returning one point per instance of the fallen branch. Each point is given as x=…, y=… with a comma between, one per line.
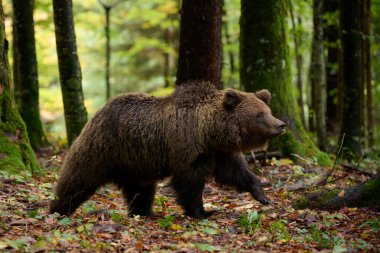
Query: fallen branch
x=261, y=155
x=350, y=167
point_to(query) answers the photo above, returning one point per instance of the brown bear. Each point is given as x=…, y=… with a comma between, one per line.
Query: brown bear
x=196, y=134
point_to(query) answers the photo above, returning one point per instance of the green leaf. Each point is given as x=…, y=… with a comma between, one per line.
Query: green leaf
x=65, y=221
x=166, y=222
x=39, y=246
x=3, y=245
x=209, y=231
x=205, y=247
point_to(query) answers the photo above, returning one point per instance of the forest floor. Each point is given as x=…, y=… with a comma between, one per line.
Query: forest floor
x=240, y=224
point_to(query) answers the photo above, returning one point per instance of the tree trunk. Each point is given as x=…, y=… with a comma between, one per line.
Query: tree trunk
x=317, y=76
x=264, y=63
x=25, y=71
x=107, y=10
x=230, y=54
x=297, y=38
x=16, y=153
x=366, y=194
x=167, y=66
x=333, y=67
x=367, y=78
x=200, y=42
x=353, y=113
x=69, y=69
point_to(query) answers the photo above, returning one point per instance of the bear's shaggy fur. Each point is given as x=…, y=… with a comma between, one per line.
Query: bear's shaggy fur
x=196, y=134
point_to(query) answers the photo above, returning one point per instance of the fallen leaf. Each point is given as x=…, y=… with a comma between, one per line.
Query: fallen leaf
x=341, y=194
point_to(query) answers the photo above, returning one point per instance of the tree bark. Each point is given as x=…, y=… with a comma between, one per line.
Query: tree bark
x=333, y=67
x=69, y=69
x=264, y=63
x=299, y=60
x=25, y=71
x=167, y=66
x=366, y=194
x=107, y=10
x=200, y=42
x=230, y=54
x=317, y=76
x=353, y=98
x=367, y=78
x=16, y=153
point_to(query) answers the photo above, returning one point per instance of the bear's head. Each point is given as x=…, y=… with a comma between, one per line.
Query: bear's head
x=255, y=118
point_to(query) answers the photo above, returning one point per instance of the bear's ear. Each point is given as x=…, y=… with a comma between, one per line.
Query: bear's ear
x=231, y=99
x=264, y=95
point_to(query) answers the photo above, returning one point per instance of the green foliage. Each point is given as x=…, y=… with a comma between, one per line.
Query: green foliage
x=206, y=247
x=250, y=221
x=279, y=230
x=374, y=224
x=117, y=217
x=166, y=222
x=209, y=228
x=65, y=221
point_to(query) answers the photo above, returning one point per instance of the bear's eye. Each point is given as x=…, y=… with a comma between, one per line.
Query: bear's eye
x=259, y=115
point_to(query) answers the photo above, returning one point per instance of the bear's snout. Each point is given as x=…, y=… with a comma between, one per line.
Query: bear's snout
x=282, y=126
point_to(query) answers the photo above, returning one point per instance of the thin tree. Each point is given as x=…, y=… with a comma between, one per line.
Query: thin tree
x=353, y=98
x=69, y=69
x=25, y=71
x=200, y=42
x=299, y=60
x=264, y=63
x=318, y=76
x=228, y=43
x=16, y=153
x=107, y=10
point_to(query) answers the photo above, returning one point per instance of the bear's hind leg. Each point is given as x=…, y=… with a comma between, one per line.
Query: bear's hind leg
x=140, y=198
x=189, y=196
x=72, y=191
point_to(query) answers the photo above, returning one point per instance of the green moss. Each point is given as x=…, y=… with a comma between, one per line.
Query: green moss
x=11, y=157
x=318, y=199
x=371, y=192
x=15, y=152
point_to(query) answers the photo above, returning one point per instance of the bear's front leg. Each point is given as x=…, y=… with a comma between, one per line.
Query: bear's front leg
x=232, y=170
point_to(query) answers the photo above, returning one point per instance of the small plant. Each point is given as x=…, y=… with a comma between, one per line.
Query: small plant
x=207, y=227
x=117, y=217
x=374, y=224
x=166, y=222
x=250, y=221
x=160, y=201
x=278, y=228
x=323, y=238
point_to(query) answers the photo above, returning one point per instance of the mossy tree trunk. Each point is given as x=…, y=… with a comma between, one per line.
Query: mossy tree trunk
x=25, y=71
x=264, y=63
x=366, y=194
x=200, y=42
x=16, y=153
x=353, y=98
x=69, y=69
x=317, y=77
